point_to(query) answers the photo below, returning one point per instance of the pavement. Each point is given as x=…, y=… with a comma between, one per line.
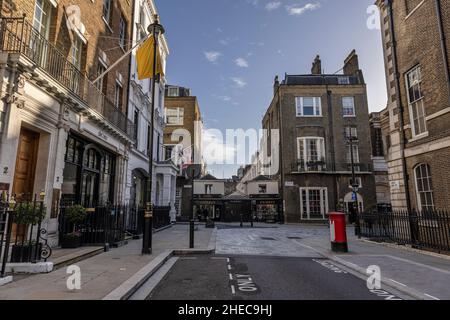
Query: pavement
x=264, y=262
x=102, y=273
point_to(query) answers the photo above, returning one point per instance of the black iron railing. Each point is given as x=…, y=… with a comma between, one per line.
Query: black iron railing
x=18, y=36
x=108, y=224
x=428, y=230
x=22, y=235
x=329, y=167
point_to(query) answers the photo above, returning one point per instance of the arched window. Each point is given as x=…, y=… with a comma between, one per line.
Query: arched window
x=424, y=187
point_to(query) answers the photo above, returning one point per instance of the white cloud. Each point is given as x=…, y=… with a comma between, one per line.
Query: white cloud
x=215, y=148
x=212, y=56
x=225, y=98
x=241, y=62
x=299, y=10
x=273, y=5
x=239, y=82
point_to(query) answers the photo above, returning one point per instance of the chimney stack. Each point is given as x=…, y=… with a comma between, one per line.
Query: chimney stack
x=276, y=85
x=351, y=64
x=317, y=66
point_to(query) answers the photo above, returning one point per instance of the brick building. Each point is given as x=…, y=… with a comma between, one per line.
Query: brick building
x=61, y=133
x=416, y=38
x=183, y=142
x=316, y=114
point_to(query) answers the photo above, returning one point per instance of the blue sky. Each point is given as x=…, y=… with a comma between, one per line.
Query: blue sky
x=229, y=51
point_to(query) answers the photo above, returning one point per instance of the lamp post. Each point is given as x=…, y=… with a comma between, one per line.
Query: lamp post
x=156, y=29
x=192, y=174
x=355, y=186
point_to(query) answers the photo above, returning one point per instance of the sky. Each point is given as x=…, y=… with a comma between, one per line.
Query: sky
x=229, y=51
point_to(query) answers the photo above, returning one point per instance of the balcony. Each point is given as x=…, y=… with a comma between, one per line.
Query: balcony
x=322, y=166
x=18, y=36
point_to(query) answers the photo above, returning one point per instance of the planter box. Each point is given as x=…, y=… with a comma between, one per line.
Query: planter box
x=25, y=253
x=70, y=242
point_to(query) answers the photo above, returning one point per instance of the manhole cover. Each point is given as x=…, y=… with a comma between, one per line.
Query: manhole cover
x=294, y=238
x=267, y=238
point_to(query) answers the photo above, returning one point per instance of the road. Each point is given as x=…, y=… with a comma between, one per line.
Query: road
x=227, y=277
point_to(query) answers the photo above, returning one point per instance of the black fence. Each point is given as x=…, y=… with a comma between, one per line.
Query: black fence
x=423, y=230
x=110, y=224
x=22, y=235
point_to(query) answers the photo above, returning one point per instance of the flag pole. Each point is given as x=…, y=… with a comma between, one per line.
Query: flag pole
x=121, y=59
x=156, y=29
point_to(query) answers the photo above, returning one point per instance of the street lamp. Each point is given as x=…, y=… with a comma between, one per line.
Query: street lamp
x=157, y=30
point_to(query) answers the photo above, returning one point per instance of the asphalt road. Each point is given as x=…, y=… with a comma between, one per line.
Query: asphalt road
x=262, y=278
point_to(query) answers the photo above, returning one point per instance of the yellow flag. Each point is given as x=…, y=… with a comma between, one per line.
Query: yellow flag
x=144, y=58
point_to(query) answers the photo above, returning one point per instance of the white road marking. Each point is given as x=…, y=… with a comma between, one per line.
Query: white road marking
x=231, y=276
x=430, y=296
x=233, y=290
x=229, y=267
x=228, y=260
x=404, y=285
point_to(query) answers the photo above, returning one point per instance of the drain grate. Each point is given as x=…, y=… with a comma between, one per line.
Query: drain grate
x=268, y=238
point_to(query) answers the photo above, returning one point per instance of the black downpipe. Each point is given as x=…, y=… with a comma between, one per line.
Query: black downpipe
x=443, y=43
x=401, y=120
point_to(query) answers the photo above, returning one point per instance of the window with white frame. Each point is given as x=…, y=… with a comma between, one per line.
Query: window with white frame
x=355, y=154
x=424, y=187
x=107, y=10
x=343, y=80
x=118, y=97
x=348, y=106
x=208, y=188
x=41, y=20
x=313, y=203
x=174, y=92
x=76, y=51
x=122, y=32
x=175, y=116
x=311, y=149
x=415, y=101
x=262, y=188
x=309, y=106
x=351, y=132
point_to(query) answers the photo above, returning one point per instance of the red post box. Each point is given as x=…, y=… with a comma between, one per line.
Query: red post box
x=338, y=232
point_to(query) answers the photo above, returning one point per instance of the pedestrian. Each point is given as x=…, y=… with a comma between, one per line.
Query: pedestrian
x=205, y=214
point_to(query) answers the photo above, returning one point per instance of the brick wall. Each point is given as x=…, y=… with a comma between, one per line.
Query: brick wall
x=100, y=37
x=418, y=43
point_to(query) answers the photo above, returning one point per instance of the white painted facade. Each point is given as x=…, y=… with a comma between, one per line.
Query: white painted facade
x=212, y=187
x=139, y=108
x=37, y=102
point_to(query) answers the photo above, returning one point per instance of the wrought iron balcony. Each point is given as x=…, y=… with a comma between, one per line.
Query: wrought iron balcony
x=19, y=36
x=322, y=166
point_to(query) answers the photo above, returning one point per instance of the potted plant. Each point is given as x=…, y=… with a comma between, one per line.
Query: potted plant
x=26, y=214
x=74, y=216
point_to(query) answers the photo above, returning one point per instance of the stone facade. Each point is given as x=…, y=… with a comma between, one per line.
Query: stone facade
x=421, y=30
x=315, y=170
x=139, y=111
x=380, y=167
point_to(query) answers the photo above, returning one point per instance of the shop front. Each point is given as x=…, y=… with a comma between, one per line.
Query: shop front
x=212, y=208
x=89, y=174
x=266, y=210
